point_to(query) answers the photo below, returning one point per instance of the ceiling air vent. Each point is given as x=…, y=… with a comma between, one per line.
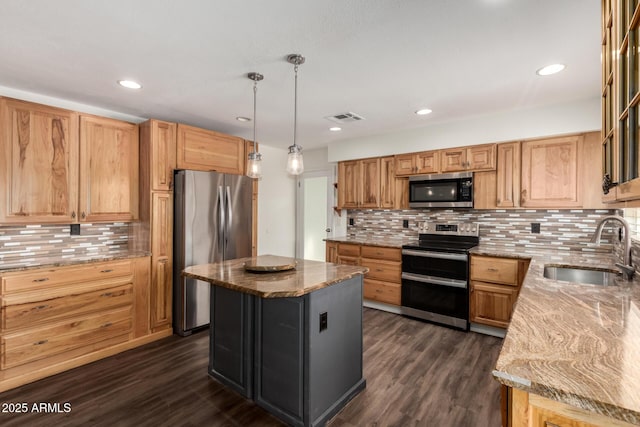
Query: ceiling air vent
x=345, y=118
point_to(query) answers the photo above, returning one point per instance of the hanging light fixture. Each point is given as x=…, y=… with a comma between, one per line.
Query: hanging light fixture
x=294, y=160
x=254, y=166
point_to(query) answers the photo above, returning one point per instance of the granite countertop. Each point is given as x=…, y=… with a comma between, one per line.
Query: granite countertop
x=308, y=276
x=57, y=261
x=574, y=343
x=383, y=241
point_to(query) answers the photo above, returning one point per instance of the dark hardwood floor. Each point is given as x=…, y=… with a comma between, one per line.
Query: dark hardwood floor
x=417, y=374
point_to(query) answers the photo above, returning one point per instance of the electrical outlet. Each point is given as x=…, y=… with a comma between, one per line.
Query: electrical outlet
x=351, y=221
x=405, y=223
x=323, y=321
x=74, y=230
x=535, y=227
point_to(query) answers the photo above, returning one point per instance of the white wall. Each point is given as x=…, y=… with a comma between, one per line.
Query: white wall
x=577, y=116
x=316, y=160
x=276, y=205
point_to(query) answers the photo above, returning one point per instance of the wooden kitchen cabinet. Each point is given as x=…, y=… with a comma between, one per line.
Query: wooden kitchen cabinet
x=109, y=168
x=158, y=154
x=387, y=183
x=551, y=172
x=508, y=175
x=494, y=286
x=161, y=261
x=472, y=158
x=331, y=252
x=423, y=162
x=55, y=319
x=531, y=410
x=206, y=150
x=359, y=184
x=40, y=152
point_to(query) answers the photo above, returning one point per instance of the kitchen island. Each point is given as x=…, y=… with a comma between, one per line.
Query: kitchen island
x=290, y=340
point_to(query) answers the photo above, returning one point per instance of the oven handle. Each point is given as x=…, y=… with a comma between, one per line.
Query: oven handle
x=440, y=255
x=435, y=280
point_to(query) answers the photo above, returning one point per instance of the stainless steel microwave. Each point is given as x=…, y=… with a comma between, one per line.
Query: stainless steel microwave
x=447, y=190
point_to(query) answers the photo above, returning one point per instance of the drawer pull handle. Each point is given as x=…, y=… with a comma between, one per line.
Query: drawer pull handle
x=44, y=279
x=41, y=342
x=492, y=269
x=106, y=325
x=108, y=270
x=106, y=294
x=379, y=270
x=41, y=307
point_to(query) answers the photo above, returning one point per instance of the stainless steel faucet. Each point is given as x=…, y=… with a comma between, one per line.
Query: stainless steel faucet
x=626, y=267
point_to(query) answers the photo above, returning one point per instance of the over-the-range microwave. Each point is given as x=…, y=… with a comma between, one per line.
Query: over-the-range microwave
x=447, y=190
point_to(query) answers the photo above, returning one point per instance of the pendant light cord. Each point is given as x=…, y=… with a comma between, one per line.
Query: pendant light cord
x=295, y=106
x=255, y=93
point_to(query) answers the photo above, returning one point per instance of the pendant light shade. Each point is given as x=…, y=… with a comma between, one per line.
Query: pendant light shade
x=254, y=164
x=295, y=165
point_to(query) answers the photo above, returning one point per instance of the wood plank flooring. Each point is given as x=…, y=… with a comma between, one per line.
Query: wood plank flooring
x=417, y=374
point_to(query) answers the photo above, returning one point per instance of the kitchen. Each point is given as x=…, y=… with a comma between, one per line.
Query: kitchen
x=521, y=121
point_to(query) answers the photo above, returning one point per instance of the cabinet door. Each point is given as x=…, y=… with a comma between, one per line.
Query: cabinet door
x=108, y=170
x=491, y=304
x=427, y=162
x=349, y=184
x=370, y=178
x=163, y=155
x=550, y=173
x=508, y=179
x=331, y=252
x=405, y=164
x=161, y=260
x=481, y=157
x=206, y=150
x=453, y=160
x=40, y=163
x=387, y=182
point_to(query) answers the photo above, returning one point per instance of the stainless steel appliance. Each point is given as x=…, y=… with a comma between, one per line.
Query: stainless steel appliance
x=448, y=190
x=212, y=222
x=435, y=273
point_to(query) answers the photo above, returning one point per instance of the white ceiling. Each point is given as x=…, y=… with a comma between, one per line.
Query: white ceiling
x=382, y=59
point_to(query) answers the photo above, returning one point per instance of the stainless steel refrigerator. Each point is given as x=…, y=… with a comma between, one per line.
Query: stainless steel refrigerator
x=212, y=223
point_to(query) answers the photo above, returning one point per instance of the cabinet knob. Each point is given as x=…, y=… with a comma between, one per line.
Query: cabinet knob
x=83, y=215
x=73, y=215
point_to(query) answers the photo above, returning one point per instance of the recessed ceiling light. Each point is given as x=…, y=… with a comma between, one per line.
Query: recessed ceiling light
x=243, y=119
x=335, y=129
x=423, y=112
x=550, y=69
x=129, y=84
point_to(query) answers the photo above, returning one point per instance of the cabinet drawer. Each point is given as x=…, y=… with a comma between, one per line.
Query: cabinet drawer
x=31, y=345
x=348, y=260
x=382, y=291
x=348, y=249
x=377, y=252
x=388, y=271
x=25, y=310
x=43, y=278
x=495, y=270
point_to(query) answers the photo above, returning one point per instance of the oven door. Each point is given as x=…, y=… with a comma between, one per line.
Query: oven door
x=436, y=264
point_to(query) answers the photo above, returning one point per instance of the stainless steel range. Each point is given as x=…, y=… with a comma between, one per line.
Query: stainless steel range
x=435, y=273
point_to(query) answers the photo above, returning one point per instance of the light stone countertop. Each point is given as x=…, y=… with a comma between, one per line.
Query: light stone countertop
x=382, y=241
x=57, y=261
x=308, y=276
x=574, y=343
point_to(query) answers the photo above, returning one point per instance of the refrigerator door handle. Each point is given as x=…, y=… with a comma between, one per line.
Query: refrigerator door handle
x=221, y=220
x=229, y=216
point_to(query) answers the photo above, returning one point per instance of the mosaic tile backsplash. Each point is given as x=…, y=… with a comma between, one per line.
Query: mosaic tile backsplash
x=30, y=242
x=559, y=229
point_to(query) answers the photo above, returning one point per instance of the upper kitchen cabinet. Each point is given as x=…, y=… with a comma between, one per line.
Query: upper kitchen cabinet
x=551, y=171
x=206, y=150
x=40, y=163
x=359, y=184
x=508, y=175
x=417, y=163
x=108, y=170
x=473, y=158
x=158, y=149
x=387, y=182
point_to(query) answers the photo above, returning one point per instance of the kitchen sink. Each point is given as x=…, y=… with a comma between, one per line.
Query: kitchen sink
x=580, y=275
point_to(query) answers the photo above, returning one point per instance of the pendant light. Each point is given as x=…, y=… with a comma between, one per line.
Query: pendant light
x=294, y=160
x=254, y=165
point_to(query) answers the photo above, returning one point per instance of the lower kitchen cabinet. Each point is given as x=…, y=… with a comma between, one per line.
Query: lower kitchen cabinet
x=55, y=319
x=383, y=281
x=494, y=287
x=331, y=253
x=530, y=410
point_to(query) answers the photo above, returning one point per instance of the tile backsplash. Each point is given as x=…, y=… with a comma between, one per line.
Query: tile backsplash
x=31, y=242
x=561, y=229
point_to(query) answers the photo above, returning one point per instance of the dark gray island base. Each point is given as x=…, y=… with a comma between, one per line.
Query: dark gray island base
x=298, y=357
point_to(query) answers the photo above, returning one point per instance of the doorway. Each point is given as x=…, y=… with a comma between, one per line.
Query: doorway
x=314, y=214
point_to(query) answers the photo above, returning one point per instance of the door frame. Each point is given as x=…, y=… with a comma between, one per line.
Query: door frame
x=329, y=174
